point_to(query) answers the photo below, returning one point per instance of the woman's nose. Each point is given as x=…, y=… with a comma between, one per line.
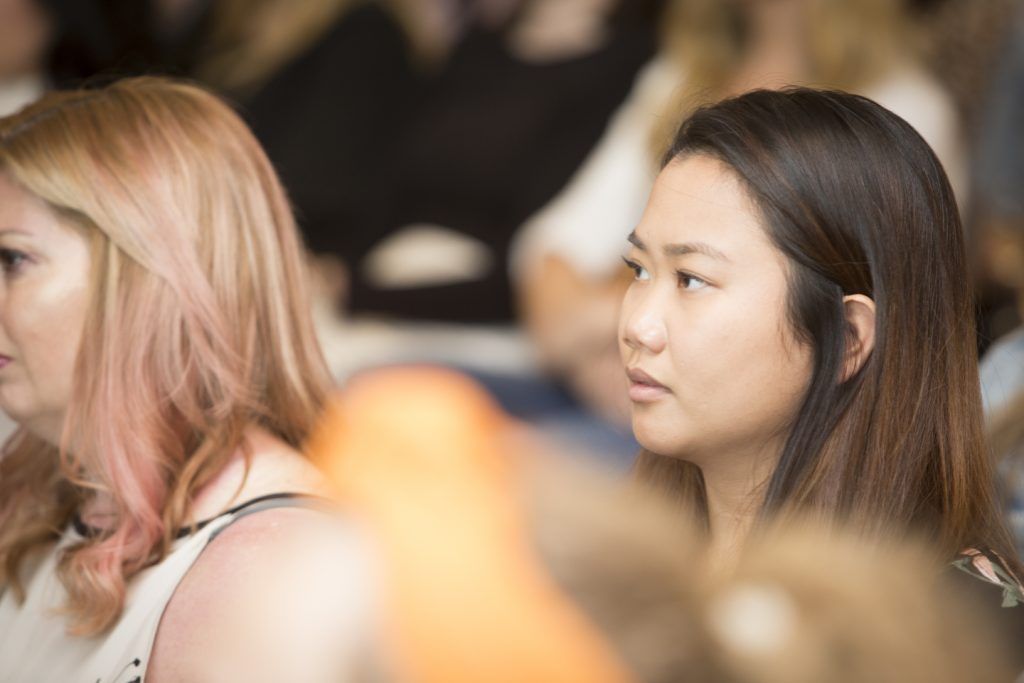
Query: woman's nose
x=644, y=329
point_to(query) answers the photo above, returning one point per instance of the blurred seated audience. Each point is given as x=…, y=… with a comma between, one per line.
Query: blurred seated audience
x=501, y=127
x=322, y=83
x=963, y=42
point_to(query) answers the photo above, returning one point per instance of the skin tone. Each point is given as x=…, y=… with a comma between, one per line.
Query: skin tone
x=237, y=614
x=43, y=301
x=210, y=629
x=714, y=370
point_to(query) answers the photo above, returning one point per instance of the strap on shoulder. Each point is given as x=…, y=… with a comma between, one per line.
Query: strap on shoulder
x=259, y=504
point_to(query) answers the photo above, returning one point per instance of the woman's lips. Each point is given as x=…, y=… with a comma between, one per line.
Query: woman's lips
x=643, y=388
x=4, y=360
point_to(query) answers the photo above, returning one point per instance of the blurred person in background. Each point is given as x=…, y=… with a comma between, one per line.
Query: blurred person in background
x=1000, y=182
x=799, y=335
x=506, y=120
x=963, y=43
x=566, y=257
x=503, y=123
x=489, y=571
x=159, y=357
x=966, y=42
x=25, y=33
x=322, y=83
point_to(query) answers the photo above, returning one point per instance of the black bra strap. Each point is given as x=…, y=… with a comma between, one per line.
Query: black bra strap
x=271, y=500
x=268, y=502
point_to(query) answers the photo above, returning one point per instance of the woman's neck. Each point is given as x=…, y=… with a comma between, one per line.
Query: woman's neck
x=272, y=467
x=734, y=489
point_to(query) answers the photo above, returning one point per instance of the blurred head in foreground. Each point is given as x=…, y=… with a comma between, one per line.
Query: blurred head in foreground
x=500, y=563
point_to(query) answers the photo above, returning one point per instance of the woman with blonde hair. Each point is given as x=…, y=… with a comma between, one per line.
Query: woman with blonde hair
x=566, y=259
x=157, y=352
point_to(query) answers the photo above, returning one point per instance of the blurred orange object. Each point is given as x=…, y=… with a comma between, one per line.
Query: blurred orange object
x=420, y=456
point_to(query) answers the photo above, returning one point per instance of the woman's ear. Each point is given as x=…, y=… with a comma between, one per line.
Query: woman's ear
x=859, y=311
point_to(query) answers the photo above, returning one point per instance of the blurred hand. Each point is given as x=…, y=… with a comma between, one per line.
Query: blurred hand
x=573, y=321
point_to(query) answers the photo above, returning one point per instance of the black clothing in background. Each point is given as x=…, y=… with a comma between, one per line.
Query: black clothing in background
x=324, y=118
x=364, y=148
x=493, y=141
x=327, y=120
x=97, y=41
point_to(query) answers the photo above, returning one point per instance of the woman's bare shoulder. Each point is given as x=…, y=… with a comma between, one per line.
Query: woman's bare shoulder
x=279, y=594
x=284, y=594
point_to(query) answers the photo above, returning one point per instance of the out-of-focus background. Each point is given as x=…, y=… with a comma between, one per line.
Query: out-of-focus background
x=465, y=172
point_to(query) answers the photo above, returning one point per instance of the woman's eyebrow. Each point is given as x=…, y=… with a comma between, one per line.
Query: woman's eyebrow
x=13, y=231
x=694, y=248
x=636, y=241
x=681, y=249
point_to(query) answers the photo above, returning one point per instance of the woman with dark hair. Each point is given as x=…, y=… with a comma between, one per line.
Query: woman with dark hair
x=799, y=333
x=566, y=257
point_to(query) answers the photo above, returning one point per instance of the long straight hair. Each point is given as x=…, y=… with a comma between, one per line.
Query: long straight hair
x=198, y=324
x=859, y=204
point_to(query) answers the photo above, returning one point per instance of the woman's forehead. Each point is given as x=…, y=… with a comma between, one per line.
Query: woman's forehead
x=698, y=199
x=25, y=215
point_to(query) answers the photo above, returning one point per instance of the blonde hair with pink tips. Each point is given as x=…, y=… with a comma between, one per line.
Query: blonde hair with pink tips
x=198, y=327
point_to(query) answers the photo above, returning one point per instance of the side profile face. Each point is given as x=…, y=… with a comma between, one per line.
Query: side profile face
x=43, y=302
x=715, y=371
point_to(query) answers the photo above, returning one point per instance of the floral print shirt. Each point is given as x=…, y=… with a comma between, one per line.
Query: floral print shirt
x=992, y=568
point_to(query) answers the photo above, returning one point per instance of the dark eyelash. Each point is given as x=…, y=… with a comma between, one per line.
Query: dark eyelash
x=682, y=276
x=11, y=260
x=633, y=265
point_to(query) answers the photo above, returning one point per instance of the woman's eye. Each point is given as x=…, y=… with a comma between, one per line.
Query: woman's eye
x=639, y=272
x=687, y=281
x=12, y=260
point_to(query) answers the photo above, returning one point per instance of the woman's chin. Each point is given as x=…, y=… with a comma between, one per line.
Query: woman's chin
x=656, y=440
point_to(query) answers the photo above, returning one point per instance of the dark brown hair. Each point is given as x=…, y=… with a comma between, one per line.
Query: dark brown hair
x=859, y=204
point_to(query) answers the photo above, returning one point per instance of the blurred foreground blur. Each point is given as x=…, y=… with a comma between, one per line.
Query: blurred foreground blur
x=499, y=561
